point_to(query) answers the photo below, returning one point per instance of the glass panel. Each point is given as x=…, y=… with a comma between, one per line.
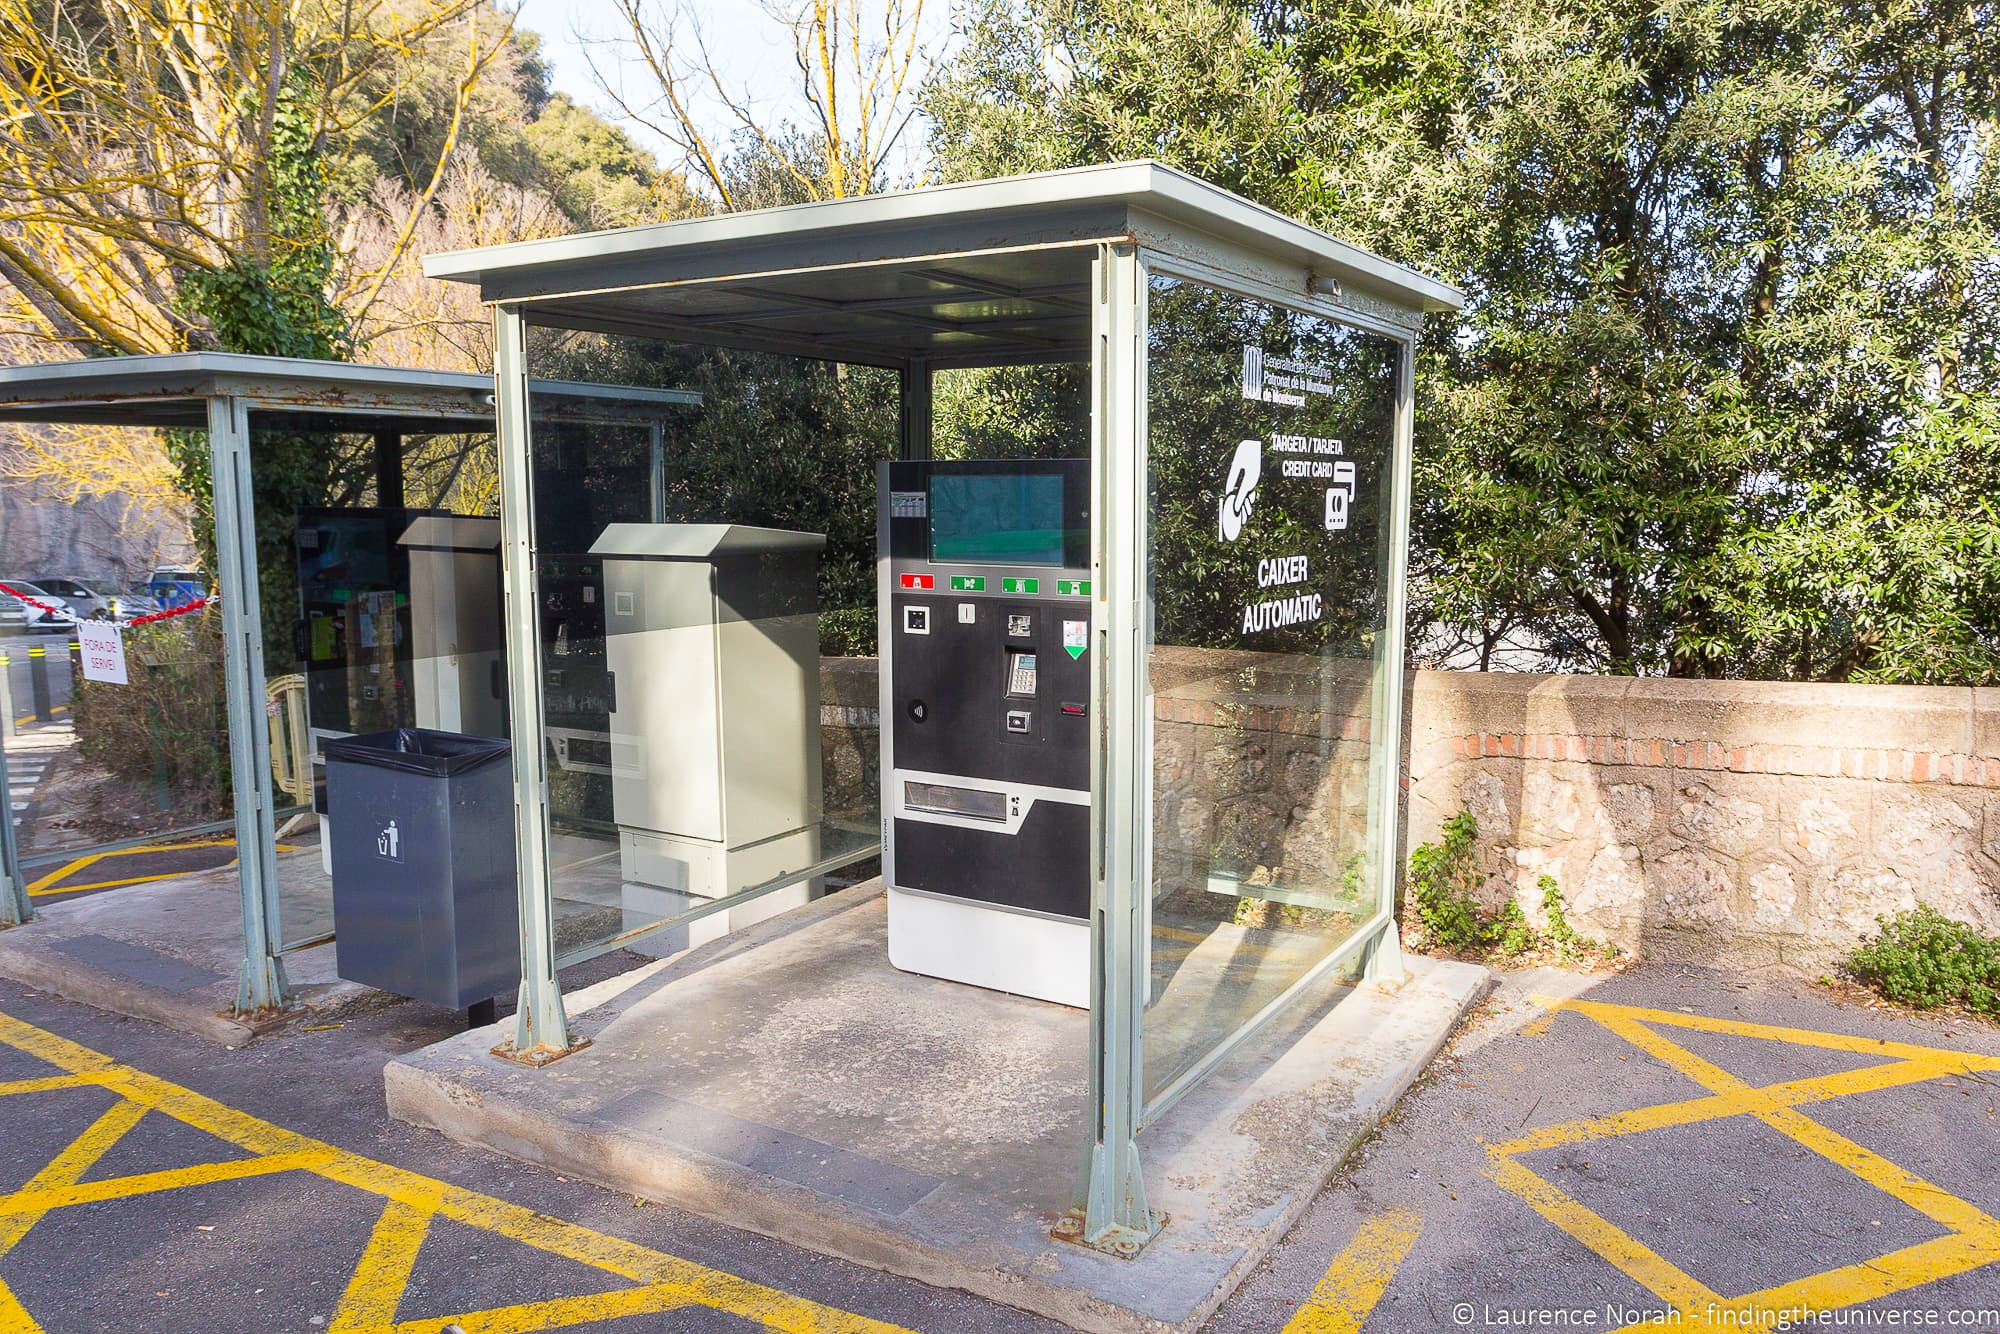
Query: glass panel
x=1011, y=412
x=707, y=610
x=381, y=596
x=117, y=783
x=114, y=783
x=379, y=582
x=1269, y=439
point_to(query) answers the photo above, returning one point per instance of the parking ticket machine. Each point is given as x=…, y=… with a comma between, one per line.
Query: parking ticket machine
x=983, y=575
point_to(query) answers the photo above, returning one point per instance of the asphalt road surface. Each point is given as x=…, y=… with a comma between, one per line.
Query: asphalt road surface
x=1663, y=1141
x=1675, y=1149
x=21, y=671
x=265, y=1190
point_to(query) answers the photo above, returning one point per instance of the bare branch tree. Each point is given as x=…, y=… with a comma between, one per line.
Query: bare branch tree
x=859, y=65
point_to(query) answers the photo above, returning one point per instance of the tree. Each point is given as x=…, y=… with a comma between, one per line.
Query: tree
x=1721, y=400
x=860, y=65
x=597, y=175
x=153, y=158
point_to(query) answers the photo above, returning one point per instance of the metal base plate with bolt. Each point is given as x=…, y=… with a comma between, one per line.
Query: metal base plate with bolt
x=1123, y=1242
x=539, y=1056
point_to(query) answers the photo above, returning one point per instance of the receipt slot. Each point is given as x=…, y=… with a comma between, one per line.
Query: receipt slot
x=711, y=645
x=983, y=574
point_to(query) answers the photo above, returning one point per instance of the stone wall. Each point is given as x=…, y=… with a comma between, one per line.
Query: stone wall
x=849, y=732
x=1745, y=824
x=1742, y=824
x=1261, y=766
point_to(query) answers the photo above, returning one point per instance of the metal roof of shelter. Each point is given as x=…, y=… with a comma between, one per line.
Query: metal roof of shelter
x=976, y=273
x=173, y=390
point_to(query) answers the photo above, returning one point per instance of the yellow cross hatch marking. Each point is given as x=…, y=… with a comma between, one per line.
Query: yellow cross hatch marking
x=66, y=1169
x=50, y=884
x=374, y=1292
x=1974, y=1236
x=1343, y=1300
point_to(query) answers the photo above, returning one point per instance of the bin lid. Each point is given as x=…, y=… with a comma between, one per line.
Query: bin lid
x=452, y=532
x=698, y=541
x=416, y=750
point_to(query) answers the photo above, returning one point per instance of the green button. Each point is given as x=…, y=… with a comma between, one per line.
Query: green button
x=1021, y=585
x=1073, y=587
x=968, y=583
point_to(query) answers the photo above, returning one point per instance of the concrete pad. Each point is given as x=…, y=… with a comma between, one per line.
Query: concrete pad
x=788, y=1081
x=171, y=951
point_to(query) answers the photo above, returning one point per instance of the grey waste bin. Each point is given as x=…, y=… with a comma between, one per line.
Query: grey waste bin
x=424, y=902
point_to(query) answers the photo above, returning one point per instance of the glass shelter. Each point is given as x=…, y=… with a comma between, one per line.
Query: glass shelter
x=354, y=587
x=1038, y=543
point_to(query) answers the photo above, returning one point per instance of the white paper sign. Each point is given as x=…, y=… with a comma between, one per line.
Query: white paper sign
x=103, y=652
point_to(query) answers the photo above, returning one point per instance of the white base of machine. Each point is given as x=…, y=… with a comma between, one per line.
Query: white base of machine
x=665, y=876
x=962, y=941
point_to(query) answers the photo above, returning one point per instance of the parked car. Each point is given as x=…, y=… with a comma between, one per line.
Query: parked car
x=96, y=599
x=174, y=585
x=35, y=619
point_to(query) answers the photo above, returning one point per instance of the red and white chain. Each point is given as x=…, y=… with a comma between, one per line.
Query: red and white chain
x=193, y=604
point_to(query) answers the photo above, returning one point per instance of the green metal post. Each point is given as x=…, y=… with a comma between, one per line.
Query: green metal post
x=1114, y=1213
x=263, y=985
x=1383, y=963
x=656, y=456
x=7, y=692
x=14, y=906
x=541, y=1029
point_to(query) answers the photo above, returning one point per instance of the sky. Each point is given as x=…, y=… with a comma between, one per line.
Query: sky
x=752, y=49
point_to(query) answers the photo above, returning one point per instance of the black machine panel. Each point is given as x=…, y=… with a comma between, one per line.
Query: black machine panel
x=985, y=647
x=954, y=710
x=1043, y=867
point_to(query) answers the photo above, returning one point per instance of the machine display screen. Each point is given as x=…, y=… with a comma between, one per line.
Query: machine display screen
x=997, y=518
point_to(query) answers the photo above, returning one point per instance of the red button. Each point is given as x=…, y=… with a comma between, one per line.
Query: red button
x=917, y=580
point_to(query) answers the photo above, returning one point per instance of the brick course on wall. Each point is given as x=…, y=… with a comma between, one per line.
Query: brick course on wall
x=1744, y=824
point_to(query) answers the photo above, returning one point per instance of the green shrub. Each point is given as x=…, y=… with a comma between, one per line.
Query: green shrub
x=1442, y=877
x=168, y=728
x=1923, y=958
x=847, y=632
x=1559, y=934
x=1511, y=931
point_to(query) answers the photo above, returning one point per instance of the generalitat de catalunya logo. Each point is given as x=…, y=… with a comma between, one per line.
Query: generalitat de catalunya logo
x=1239, y=488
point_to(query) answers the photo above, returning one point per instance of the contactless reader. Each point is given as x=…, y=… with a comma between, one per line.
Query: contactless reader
x=983, y=574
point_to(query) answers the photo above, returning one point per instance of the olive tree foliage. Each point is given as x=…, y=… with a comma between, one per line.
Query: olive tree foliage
x=1722, y=400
